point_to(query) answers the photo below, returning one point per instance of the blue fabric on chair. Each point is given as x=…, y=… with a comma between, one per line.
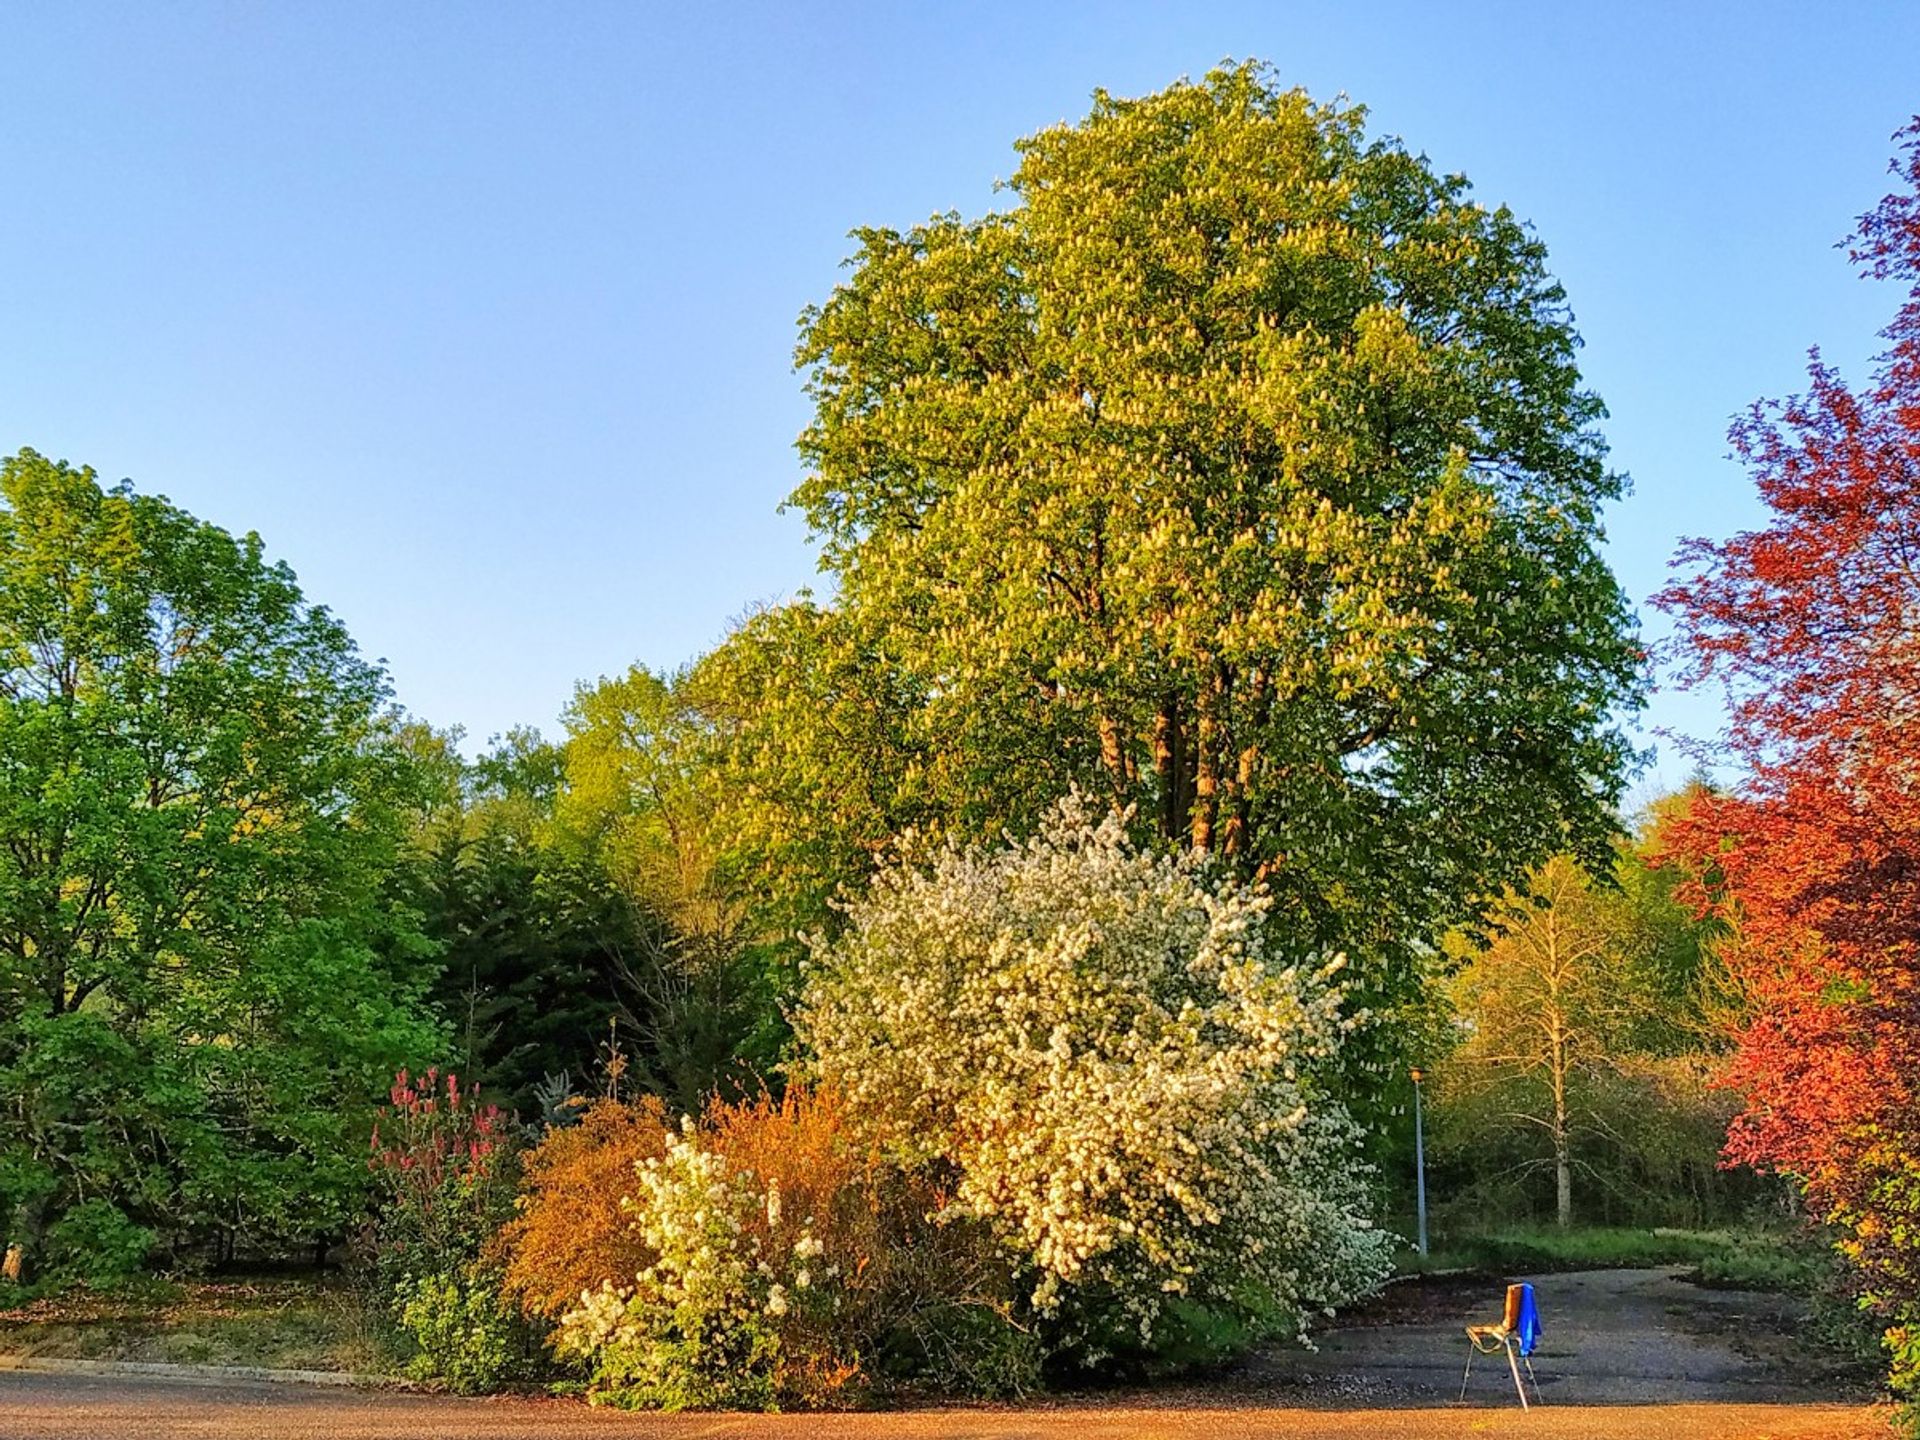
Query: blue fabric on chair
x=1527, y=1332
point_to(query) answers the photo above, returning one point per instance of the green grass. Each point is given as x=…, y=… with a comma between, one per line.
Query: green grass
x=1735, y=1258
x=281, y=1324
x=1787, y=1267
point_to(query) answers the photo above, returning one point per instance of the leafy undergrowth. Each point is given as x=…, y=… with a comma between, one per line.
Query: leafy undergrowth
x=282, y=1324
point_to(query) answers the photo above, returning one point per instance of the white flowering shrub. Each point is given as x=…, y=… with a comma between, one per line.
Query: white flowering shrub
x=700, y=1327
x=1100, y=1043
x=787, y=1266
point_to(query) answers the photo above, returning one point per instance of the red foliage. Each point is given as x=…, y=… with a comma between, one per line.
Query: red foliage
x=438, y=1152
x=430, y=1132
x=1813, y=624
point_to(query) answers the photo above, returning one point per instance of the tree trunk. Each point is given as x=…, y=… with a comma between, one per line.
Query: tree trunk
x=25, y=1237
x=1237, y=833
x=1169, y=763
x=1209, y=741
x=1113, y=756
x=1234, y=834
x=1205, y=784
x=1562, y=1184
x=1562, y=1150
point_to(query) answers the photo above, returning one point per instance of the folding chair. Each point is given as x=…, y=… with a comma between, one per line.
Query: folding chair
x=1517, y=1333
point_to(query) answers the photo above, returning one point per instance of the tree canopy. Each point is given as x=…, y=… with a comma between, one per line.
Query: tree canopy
x=1810, y=624
x=1240, y=472
x=199, y=804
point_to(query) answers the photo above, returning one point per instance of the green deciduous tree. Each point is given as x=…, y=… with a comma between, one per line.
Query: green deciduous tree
x=200, y=799
x=1240, y=472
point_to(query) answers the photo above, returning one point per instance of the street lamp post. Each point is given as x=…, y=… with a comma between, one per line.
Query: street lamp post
x=1419, y=1162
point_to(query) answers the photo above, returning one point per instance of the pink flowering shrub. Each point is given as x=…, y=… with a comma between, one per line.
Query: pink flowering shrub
x=445, y=1187
x=437, y=1153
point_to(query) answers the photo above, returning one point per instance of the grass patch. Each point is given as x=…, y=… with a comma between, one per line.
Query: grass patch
x=280, y=1324
x=1735, y=1258
x=1795, y=1269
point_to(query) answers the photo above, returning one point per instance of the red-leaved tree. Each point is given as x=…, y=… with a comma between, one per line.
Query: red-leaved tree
x=1813, y=625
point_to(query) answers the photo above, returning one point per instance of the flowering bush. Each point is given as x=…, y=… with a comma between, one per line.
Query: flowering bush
x=699, y=1326
x=784, y=1267
x=1103, y=1046
x=437, y=1155
x=445, y=1188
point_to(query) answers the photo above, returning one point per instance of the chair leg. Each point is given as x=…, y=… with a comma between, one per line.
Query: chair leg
x=1514, y=1365
x=1532, y=1379
x=1468, y=1371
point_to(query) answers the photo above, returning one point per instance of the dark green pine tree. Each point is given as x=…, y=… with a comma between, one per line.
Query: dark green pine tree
x=528, y=984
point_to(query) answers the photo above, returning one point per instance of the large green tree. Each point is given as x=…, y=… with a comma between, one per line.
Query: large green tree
x=1239, y=471
x=200, y=799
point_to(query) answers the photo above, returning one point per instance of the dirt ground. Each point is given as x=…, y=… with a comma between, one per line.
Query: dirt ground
x=1624, y=1353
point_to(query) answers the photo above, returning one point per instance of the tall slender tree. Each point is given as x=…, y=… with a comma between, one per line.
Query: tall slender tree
x=1588, y=1028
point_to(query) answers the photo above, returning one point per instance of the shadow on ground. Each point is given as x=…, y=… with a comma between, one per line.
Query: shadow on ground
x=1610, y=1337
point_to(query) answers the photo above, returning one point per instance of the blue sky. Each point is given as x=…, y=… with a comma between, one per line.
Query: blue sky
x=483, y=315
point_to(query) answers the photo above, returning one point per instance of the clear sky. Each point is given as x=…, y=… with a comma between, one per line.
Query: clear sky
x=482, y=315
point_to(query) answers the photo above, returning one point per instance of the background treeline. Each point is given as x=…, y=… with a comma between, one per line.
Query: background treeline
x=1264, y=508
x=1571, y=1039
x=576, y=920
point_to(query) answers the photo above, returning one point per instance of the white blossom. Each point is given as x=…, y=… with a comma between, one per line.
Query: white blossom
x=1100, y=1041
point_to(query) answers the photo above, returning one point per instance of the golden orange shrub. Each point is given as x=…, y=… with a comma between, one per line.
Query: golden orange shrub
x=919, y=1297
x=570, y=1232
x=798, y=1146
x=846, y=1267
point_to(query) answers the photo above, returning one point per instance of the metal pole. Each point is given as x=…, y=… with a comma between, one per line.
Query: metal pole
x=1419, y=1163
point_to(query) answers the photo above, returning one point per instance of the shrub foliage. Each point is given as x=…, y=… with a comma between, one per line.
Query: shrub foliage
x=1107, y=1049
x=445, y=1186
x=758, y=1258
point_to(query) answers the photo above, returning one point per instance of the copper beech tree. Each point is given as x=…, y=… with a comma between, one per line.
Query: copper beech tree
x=1813, y=626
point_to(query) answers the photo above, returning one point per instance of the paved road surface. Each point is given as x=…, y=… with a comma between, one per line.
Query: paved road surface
x=46, y=1407
x=1626, y=1354
x=1610, y=1337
